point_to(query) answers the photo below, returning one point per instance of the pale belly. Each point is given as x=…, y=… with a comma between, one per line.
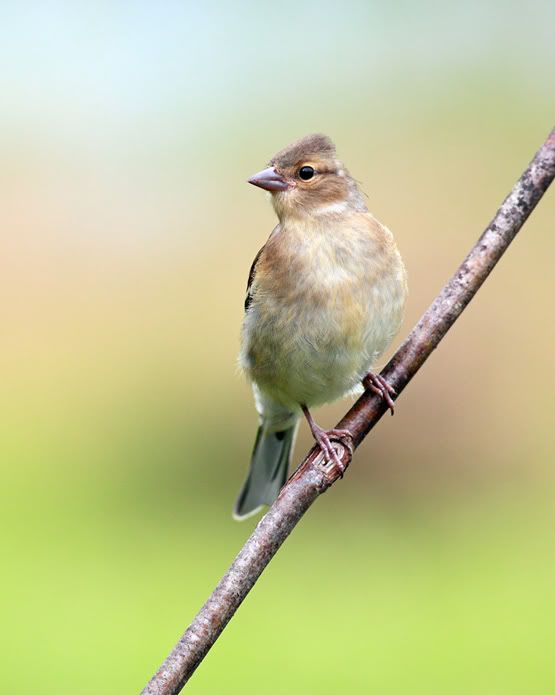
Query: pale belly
x=319, y=347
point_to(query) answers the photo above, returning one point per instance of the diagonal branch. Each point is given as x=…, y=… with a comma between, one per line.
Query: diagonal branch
x=313, y=477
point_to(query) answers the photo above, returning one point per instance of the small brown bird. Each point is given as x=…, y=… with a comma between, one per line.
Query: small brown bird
x=325, y=297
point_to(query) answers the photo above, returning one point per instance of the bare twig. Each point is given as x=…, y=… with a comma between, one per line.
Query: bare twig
x=313, y=477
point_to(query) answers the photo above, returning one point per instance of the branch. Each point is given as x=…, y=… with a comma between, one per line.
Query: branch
x=314, y=477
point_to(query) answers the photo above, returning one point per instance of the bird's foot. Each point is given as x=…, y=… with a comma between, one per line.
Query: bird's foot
x=377, y=384
x=324, y=440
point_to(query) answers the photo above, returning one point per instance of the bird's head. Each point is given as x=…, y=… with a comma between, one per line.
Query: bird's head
x=306, y=178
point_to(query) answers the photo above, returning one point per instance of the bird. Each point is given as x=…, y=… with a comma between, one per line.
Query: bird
x=325, y=297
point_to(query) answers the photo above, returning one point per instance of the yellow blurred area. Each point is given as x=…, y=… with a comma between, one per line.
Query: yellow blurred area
x=127, y=231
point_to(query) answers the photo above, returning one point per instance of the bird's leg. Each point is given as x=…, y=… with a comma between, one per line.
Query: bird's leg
x=323, y=439
x=377, y=384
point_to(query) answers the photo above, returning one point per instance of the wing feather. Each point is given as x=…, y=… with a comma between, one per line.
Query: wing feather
x=252, y=274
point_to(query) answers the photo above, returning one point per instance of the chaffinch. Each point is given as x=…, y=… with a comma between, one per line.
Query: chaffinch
x=325, y=297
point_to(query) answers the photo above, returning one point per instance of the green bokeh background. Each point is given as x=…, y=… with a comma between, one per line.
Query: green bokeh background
x=127, y=230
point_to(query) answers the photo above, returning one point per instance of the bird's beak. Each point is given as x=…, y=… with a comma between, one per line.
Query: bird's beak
x=269, y=180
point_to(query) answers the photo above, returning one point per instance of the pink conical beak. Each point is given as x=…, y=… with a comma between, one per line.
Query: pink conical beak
x=269, y=180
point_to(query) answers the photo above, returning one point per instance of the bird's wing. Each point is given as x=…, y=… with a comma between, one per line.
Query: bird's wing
x=252, y=273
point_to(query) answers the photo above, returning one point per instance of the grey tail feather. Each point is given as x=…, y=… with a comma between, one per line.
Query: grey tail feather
x=268, y=470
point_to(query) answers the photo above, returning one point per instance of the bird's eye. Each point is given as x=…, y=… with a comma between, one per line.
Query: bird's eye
x=306, y=173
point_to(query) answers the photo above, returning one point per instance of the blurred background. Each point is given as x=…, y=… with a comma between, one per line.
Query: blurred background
x=127, y=232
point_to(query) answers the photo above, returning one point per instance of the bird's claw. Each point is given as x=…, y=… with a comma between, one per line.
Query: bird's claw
x=324, y=441
x=378, y=385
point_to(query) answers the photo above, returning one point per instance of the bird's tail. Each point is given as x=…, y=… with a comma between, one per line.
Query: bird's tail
x=268, y=469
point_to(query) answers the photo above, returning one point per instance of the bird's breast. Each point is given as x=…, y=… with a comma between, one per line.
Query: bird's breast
x=325, y=304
